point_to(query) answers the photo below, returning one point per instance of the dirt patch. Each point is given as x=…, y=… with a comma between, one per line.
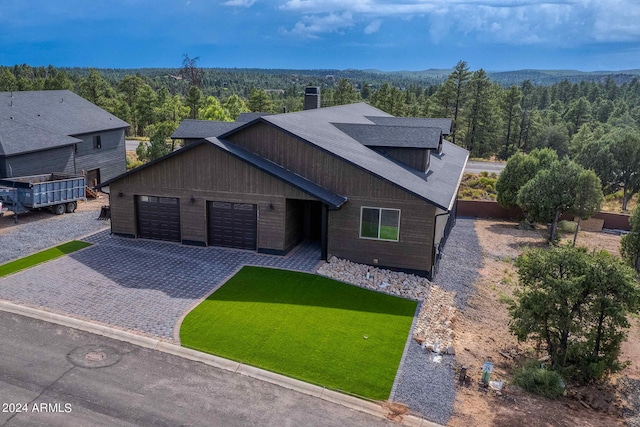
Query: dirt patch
x=482, y=334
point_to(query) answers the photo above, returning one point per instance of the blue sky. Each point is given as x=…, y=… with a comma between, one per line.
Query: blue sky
x=495, y=35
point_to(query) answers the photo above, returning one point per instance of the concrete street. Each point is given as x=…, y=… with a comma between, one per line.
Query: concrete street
x=74, y=378
x=477, y=167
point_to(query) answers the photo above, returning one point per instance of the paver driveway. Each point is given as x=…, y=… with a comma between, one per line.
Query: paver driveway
x=138, y=285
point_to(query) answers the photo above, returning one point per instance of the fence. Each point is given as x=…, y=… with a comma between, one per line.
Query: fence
x=489, y=209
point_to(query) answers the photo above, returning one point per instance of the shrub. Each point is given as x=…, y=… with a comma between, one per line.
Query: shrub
x=535, y=378
x=567, y=227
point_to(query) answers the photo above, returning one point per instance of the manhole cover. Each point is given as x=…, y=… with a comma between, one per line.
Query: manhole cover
x=94, y=356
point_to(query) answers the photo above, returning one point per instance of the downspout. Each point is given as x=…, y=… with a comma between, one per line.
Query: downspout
x=433, y=256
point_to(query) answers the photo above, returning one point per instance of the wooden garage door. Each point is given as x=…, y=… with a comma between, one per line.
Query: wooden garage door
x=158, y=218
x=232, y=225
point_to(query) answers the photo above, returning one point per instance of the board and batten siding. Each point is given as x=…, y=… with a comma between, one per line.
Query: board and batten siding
x=208, y=174
x=325, y=169
x=110, y=158
x=416, y=158
x=59, y=159
x=414, y=249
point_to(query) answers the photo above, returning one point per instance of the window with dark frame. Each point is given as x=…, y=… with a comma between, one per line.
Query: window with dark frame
x=380, y=224
x=97, y=142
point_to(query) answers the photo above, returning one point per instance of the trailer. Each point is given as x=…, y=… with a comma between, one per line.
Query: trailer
x=57, y=192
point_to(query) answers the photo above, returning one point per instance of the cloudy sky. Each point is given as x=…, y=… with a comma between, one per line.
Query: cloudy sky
x=388, y=35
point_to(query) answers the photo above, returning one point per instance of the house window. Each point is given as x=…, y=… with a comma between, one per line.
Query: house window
x=380, y=224
x=97, y=141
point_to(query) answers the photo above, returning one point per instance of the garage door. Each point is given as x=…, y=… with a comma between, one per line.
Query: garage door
x=158, y=218
x=232, y=225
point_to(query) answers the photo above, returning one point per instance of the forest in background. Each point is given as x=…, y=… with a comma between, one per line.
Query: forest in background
x=593, y=118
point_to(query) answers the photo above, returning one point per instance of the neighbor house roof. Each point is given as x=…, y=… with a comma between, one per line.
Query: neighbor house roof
x=198, y=129
x=20, y=138
x=443, y=124
x=318, y=127
x=392, y=136
x=41, y=119
x=58, y=111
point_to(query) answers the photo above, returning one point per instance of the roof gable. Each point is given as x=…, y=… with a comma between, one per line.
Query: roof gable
x=314, y=190
x=318, y=127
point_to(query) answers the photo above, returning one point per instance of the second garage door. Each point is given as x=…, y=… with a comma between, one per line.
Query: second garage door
x=232, y=225
x=158, y=218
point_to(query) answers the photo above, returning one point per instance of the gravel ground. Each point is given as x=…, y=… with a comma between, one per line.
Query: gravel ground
x=424, y=383
x=461, y=261
x=25, y=239
x=630, y=389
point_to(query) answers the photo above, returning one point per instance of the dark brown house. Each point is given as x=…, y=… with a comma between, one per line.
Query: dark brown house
x=372, y=188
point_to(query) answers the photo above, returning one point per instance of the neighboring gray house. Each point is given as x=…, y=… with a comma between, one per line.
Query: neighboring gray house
x=59, y=131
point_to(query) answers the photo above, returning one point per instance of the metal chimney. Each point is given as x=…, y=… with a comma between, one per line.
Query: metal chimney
x=311, y=97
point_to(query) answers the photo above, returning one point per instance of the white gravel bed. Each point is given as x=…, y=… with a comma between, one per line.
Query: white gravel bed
x=377, y=279
x=25, y=239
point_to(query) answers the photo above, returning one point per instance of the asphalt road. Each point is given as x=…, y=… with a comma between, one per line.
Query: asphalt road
x=131, y=144
x=57, y=376
x=477, y=167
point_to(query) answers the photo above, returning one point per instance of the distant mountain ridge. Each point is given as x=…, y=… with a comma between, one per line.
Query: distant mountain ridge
x=402, y=78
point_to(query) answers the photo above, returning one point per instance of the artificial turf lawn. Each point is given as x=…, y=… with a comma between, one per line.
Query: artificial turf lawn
x=43, y=256
x=305, y=326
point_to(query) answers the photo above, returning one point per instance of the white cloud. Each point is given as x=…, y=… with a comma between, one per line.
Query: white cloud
x=239, y=3
x=517, y=22
x=312, y=25
x=373, y=27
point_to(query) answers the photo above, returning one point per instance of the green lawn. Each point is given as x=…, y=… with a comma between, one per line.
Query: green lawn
x=40, y=257
x=306, y=327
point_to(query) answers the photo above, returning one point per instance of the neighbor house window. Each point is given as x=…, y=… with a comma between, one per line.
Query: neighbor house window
x=97, y=141
x=380, y=224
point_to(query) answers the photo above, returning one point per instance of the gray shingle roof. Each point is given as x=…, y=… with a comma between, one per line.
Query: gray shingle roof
x=443, y=124
x=392, y=136
x=19, y=138
x=197, y=129
x=38, y=120
x=317, y=127
x=58, y=111
x=248, y=117
x=311, y=188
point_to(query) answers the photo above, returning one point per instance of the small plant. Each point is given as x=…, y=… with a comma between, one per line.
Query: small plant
x=505, y=299
x=567, y=227
x=536, y=378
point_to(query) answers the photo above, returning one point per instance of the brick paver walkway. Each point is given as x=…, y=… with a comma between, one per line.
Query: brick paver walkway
x=138, y=285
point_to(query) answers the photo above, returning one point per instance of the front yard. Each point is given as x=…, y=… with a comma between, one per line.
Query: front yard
x=305, y=326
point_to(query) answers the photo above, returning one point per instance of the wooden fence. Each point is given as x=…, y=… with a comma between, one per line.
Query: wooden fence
x=489, y=209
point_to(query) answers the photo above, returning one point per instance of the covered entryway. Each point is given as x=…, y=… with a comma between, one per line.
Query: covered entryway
x=158, y=218
x=232, y=225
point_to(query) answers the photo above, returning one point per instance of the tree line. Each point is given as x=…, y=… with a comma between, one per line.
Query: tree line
x=594, y=122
